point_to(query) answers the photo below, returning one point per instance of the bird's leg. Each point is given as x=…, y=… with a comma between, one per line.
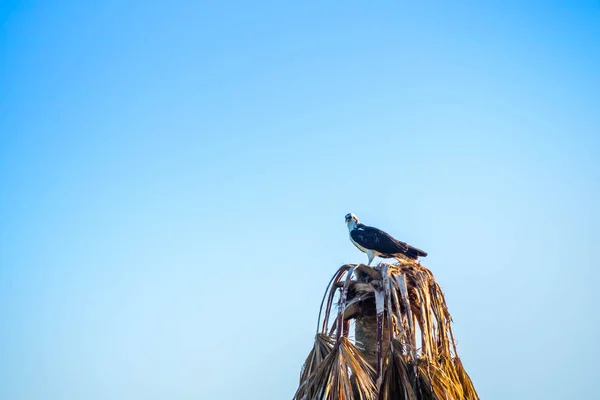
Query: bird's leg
x=371, y=257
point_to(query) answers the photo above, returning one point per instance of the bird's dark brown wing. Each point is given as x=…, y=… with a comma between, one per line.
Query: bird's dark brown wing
x=375, y=239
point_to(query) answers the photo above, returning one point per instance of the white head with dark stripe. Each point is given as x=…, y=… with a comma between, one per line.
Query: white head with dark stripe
x=351, y=221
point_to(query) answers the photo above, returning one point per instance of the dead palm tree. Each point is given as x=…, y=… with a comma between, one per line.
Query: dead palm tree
x=403, y=346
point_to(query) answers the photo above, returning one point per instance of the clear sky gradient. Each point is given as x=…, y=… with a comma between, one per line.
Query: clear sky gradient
x=174, y=178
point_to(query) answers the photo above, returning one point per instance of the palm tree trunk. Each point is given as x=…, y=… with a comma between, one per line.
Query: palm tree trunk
x=366, y=325
x=366, y=335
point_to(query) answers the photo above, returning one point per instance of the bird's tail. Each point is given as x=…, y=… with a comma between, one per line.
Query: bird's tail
x=413, y=252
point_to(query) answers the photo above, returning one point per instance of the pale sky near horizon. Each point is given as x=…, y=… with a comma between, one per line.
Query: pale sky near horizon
x=174, y=179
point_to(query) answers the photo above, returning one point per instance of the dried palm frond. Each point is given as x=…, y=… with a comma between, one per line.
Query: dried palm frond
x=443, y=382
x=406, y=336
x=321, y=349
x=398, y=380
x=343, y=375
x=465, y=380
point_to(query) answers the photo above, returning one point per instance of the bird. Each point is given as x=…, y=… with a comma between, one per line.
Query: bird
x=377, y=243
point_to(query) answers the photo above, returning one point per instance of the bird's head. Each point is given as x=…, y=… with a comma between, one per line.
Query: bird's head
x=351, y=220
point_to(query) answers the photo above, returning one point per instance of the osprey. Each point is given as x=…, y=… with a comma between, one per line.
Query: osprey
x=376, y=242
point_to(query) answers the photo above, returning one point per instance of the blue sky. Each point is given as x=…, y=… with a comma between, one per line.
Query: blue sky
x=174, y=177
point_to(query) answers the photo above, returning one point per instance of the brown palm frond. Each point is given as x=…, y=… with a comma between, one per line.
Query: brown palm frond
x=343, y=375
x=465, y=380
x=407, y=348
x=442, y=380
x=398, y=380
x=321, y=349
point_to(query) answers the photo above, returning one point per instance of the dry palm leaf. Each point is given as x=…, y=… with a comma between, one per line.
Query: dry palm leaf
x=343, y=375
x=321, y=349
x=398, y=383
x=404, y=301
